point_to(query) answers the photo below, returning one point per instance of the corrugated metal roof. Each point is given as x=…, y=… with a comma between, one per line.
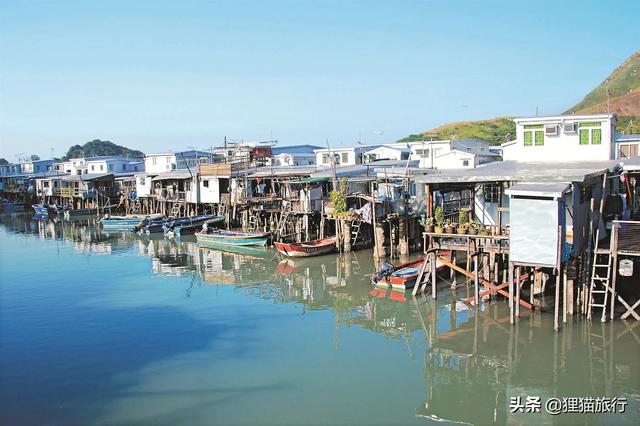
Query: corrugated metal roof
x=87, y=177
x=516, y=171
x=174, y=174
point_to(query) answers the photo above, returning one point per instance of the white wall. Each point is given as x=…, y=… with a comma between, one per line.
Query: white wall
x=210, y=194
x=351, y=157
x=143, y=185
x=386, y=153
x=159, y=163
x=565, y=146
x=455, y=160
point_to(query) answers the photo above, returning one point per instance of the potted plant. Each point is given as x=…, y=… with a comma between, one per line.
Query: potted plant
x=439, y=220
x=449, y=228
x=462, y=222
x=473, y=228
x=427, y=222
x=463, y=228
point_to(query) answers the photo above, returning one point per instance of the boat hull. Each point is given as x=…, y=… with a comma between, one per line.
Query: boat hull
x=307, y=249
x=228, y=238
x=405, y=275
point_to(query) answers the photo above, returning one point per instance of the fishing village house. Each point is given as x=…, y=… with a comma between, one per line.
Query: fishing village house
x=297, y=155
x=627, y=146
x=453, y=154
x=555, y=176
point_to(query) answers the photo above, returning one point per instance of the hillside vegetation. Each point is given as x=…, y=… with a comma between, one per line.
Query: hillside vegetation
x=624, y=100
x=97, y=148
x=495, y=131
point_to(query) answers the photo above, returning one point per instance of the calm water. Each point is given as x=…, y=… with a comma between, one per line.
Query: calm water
x=117, y=329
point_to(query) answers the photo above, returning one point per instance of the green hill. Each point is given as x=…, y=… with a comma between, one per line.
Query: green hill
x=98, y=148
x=495, y=131
x=624, y=100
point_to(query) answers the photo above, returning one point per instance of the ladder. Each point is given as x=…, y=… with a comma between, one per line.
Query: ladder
x=600, y=269
x=254, y=223
x=282, y=225
x=355, y=231
x=177, y=207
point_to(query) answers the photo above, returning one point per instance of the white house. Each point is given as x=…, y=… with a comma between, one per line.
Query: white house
x=452, y=154
x=562, y=138
x=388, y=152
x=103, y=164
x=167, y=161
x=345, y=156
x=627, y=146
x=293, y=159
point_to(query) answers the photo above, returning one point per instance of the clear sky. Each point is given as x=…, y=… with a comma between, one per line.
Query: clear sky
x=158, y=75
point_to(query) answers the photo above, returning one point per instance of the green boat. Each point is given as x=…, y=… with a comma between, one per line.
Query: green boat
x=231, y=238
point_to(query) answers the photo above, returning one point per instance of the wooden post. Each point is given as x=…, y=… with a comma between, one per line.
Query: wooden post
x=511, y=319
x=476, y=292
x=556, y=308
x=564, y=296
x=434, y=281
x=379, y=251
x=614, y=251
x=517, y=304
x=346, y=227
x=403, y=240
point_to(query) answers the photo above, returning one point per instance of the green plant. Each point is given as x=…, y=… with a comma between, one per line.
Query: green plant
x=339, y=198
x=463, y=217
x=426, y=221
x=439, y=216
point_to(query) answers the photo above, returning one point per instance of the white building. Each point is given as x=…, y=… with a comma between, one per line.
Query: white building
x=388, y=152
x=453, y=154
x=627, y=146
x=345, y=156
x=167, y=161
x=293, y=159
x=562, y=138
x=102, y=164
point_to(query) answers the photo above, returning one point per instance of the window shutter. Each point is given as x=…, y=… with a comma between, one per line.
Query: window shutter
x=539, y=138
x=596, y=137
x=528, y=138
x=584, y=137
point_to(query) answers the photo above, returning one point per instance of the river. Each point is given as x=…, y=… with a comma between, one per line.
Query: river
x=119, y=329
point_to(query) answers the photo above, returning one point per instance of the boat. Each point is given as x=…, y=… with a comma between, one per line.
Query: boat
x=13, y=207
x=307, y=248
x=73, y=214
x=189, y=225
x=401, y=276
x=42, y=210
x=216, y=237
x=123, y=223
x=152, y=225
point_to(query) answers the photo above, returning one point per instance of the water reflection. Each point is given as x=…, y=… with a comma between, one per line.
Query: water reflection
x=471, y=361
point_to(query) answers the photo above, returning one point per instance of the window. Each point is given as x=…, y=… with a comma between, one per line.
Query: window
x=326, y=158
x=135, y=168
x=539, y=138
x=168, y=160
x=141, y=180
x=345, y=157
x=465, y=163
x=423, y=153
x=124, y=167
x=93, y=167
x=534, y=134
x=629, y=150
x=101, y=167
x=110, y=167
x=590, y=133
x=205, y=183
x=404, y=156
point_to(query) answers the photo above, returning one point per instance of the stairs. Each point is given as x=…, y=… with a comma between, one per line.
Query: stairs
x=176, y=210
x=600, y=269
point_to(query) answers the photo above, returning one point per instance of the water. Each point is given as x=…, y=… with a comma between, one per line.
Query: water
x=117, y=329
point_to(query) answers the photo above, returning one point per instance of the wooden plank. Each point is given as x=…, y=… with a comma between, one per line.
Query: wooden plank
x=482, y=280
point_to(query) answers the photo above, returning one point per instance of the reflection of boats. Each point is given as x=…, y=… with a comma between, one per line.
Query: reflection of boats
x=232, y=238
x=74, y=214
x=189, y=225
x=307, y=248
x=127, y=222
x=401, y=276
x=42, y=210
x=254, y=251
x=13, y=207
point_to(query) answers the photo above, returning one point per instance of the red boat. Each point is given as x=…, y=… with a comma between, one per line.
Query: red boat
x=307, y=248
x=404, y=275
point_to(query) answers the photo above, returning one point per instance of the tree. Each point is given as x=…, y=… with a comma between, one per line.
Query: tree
x=3, y=162
x=34, y=157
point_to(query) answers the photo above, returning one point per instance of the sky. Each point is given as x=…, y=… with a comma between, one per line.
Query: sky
x=160, y=75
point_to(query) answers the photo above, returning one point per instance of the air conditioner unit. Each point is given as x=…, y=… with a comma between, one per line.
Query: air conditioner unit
x=551, y=130
x=570, y=127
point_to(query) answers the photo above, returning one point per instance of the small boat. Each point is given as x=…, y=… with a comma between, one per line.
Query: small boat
x=307, y=248
x=189, y=225
x=216, y=237
x=74, y=214
x=402, y=276
x=123, y=223
x=41, y=210
x=152, y=225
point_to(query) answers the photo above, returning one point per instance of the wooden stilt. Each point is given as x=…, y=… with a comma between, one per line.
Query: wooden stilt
x=511, y=319
x=517, y=304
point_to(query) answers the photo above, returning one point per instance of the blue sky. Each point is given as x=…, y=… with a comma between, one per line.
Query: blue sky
x=168, y=75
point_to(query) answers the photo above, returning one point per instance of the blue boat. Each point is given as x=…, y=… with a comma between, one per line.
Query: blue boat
x=189, y=225
x=40, y=210
x=216, y=238
x=123, y=223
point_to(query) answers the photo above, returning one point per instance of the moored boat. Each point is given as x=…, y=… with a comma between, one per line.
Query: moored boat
x=42, y=210
x=401, y=276
x=307, y=248
x=189, y=225
x=216, y=237
x=123, y=223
